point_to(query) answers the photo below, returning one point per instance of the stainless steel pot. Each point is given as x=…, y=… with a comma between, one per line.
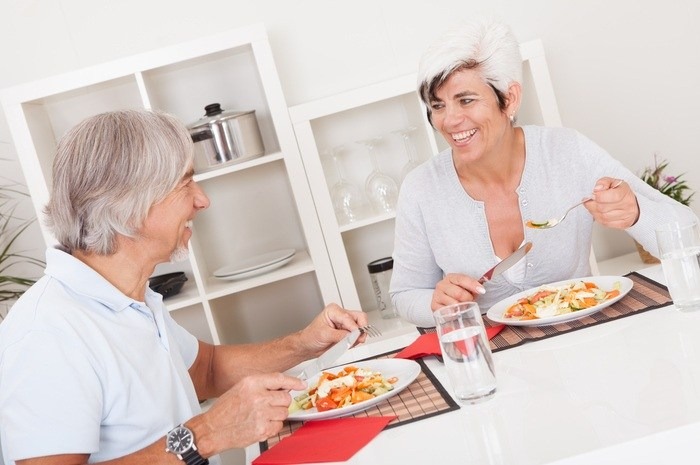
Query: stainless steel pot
x=225, y=137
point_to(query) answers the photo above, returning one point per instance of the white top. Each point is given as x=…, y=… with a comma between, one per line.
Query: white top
x=440, y=229
x=515, y=273
x=86, y=369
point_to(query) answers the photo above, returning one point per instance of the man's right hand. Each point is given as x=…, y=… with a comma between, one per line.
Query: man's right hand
x=251, y=411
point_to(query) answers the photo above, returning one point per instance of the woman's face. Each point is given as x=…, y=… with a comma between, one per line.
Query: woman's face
x=467, y=114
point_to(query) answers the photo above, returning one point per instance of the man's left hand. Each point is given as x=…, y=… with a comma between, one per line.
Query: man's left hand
x=330, y=326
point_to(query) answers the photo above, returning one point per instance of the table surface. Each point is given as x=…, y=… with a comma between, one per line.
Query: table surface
x=627, y=391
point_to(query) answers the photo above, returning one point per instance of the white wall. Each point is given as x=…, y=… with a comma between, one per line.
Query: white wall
x=624, y=72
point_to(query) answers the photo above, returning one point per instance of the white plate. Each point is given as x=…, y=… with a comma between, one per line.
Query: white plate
x=405, y=370
x=605, y=283
x=256, y=271
x=256, y=263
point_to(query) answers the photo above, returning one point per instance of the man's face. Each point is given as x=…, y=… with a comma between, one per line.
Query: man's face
x=167, y=226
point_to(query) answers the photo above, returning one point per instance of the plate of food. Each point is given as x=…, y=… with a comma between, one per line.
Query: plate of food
x=561, y=301
x=342, y=391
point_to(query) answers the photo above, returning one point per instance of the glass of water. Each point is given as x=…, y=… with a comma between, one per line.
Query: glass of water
x=679, y=251
x=466, y=352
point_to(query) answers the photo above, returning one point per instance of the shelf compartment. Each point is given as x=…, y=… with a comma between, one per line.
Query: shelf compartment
x=300, y=264
x=251, y=213
x=215, y=171
x=366, y=222
x=186, y=297
x=378, y=119
x=342, y=119
x=189, y=294
x=66, y=109
x=228, y=77
x=261, y=314
x=362, y=247
x=193, y=319
x=51, y=116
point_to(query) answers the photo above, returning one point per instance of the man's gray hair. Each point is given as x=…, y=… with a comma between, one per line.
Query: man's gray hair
x=485, y=45
x=109, y=170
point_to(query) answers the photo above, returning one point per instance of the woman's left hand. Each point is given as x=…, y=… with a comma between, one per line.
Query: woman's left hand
x=614, y=208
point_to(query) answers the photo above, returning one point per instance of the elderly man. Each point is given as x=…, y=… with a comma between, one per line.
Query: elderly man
x=92, y=366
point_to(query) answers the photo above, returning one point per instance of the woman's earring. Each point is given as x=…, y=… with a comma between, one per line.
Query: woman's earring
x=512, y=118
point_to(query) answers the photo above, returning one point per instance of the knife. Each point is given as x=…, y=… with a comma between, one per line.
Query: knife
x=331, y=355
x=506, y=263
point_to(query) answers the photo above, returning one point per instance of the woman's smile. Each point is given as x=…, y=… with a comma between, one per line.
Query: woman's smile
x=463, y=136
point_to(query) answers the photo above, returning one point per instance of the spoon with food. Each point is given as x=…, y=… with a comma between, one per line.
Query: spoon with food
x=554, y=221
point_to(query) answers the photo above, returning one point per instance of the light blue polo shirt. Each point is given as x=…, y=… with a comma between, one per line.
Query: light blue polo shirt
x=86, y=369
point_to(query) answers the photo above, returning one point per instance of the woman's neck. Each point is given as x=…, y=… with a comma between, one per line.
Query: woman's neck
x=500, y=170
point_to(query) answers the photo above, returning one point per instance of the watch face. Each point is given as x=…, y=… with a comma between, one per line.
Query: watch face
x=179, y=440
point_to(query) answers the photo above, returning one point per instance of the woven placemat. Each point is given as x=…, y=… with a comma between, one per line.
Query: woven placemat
x=423, y=398
x=646, y=294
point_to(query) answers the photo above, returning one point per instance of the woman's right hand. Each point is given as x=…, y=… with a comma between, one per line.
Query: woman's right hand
x=455, y=288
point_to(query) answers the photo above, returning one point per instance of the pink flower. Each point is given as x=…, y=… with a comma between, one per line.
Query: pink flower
x=670, y=179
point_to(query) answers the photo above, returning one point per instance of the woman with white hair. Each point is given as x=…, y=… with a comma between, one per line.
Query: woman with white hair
x=464, y=210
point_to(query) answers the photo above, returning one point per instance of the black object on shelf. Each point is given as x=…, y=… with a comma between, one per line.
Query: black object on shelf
x=168, y=284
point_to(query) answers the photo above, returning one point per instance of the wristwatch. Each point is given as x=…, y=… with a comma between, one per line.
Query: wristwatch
x=180, y=441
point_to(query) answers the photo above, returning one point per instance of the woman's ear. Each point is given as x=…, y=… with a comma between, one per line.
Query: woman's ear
x=514, y=95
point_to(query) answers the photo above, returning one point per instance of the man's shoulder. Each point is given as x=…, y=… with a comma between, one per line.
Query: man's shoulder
x=46, y=307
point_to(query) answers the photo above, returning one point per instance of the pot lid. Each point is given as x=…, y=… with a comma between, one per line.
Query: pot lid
x=214, y=114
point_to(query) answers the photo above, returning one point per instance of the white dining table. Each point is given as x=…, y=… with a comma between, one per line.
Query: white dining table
x=625, y=391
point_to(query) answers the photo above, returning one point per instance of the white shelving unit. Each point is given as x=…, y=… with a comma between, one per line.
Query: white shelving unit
x=257, y=206
x=377, y=110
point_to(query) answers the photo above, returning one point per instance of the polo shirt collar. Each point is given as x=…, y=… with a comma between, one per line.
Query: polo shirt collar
x=85, y=281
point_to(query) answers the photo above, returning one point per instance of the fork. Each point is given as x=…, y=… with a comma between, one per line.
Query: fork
x=370, y=331
x=331, y=355
x=553, y=222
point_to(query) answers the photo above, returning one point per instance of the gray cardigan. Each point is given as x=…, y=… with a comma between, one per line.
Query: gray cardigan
x=440, y=229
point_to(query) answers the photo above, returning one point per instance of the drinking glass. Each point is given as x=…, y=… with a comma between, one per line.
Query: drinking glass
x=381, y=188
x=466, y=352
x=409, y=148
x=348, y=200
x=679, y=250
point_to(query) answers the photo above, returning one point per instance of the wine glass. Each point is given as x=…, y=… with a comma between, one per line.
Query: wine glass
x=410, y=149
x=348, y=201
x=379, y=187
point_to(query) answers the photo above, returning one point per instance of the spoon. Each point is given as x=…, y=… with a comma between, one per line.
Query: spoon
x=554, y=221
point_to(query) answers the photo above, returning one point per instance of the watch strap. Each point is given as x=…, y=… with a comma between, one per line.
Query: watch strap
x=192, y=457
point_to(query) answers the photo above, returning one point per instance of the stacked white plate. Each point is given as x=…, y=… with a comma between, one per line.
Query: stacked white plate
x=257, y=265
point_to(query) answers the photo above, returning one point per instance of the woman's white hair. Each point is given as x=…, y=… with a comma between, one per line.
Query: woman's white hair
x=108, y=172
x=485, y=45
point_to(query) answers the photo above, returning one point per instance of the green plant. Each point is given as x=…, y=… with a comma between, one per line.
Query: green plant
x=673, y=186
x=12, y=286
